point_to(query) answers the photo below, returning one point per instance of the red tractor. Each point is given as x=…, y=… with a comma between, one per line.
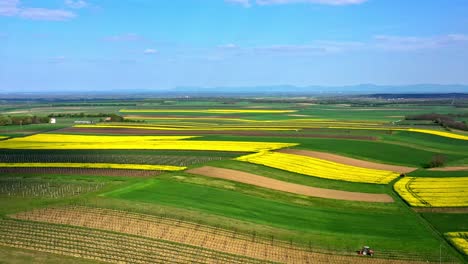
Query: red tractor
x=366, y=251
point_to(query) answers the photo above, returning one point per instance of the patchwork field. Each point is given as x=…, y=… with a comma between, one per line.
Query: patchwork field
x=224, y=180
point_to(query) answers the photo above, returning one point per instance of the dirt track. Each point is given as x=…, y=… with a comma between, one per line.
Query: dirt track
x=348, y=161
x=457, y=168
x=273, y=184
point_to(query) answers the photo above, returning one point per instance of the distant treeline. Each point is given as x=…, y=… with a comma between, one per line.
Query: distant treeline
x=80, y=115
x=22, y=120
x=446, y=121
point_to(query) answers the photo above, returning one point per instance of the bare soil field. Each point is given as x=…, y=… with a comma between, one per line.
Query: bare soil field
x=457, y=168
x=135, y=131
x=349, y=161
x=193, y=234
x=80, y=171
x=265, y=182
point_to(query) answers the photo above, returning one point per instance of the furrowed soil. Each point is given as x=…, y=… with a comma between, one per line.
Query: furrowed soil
x=348, y=161
x=193, y=234
x=265, y=182
x=81, y=171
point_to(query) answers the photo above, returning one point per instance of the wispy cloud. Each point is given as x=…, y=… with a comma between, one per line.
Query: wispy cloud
x=13, y=8
x=412, y=43
x=228, y=46
x=150, y=51
x=128, y=37
x=248, y=3
x=78, y=4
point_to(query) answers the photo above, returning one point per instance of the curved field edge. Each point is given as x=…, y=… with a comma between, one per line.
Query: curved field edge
x=374, y=151
x=265, y=182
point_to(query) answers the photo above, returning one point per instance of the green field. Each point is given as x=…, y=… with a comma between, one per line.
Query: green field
x=394, y=229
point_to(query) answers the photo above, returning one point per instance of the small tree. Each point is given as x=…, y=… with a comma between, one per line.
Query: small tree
x=437, y=161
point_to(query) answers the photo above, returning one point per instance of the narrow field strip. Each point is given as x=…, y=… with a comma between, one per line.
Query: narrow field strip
x=434, y=192
x=319, y=167
x=459, y=240
x=265, y=182
x=67, y=142
x=195, y=235
x=105, y=246
x=456, y=168
x=79, y=171
x=91, y=166
x=209, y=111
x=348, y=161
x=192, y=128
x=61, y=138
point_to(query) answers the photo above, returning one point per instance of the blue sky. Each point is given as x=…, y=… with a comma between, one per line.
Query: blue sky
x=159, y=44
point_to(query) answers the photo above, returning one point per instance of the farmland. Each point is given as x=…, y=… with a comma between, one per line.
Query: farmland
x=264, y=180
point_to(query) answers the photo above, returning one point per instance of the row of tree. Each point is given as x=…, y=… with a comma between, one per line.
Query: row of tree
x=22, y=120
x=447, y=121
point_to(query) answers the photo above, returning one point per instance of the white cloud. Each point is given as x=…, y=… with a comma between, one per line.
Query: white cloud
x=248, y=3
x=228, y=46
x=13, y=8
x=150, y=51
x=245, y=3
x=76, y=4
x=129, y=37
x=411, y=43
x=46, y=14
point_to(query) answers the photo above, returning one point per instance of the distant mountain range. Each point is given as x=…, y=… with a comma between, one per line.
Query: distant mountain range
x=274, y=90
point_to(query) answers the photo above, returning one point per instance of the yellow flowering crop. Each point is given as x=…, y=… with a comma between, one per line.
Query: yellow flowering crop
x=460, y=240
x=2, y=137
x=92, y=138
x=209, y=111
x=92, y=166
x=51, y=141
x=434, y=192
x=320, y=168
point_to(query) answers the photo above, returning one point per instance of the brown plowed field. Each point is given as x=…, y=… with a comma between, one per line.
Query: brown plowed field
x=348, y=161
x=80, y=171
x=188, y=233
x=265, y=182
x=457, y=168
x=136, y=131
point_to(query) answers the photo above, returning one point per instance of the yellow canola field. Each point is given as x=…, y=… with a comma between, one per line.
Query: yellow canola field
x=2, y=137
x=45, y=141
x=417, y=130
x=209, y=111
x=93, y=166
x=434, y=192
x=320, y=168
x=460, y=240
x=92, y=138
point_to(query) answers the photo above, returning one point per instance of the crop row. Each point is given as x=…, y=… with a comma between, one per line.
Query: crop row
x=105, y=246
x=433, y=192
x=197, y=235
x=319, y=168
x=45, y=188
x=459, y=239
x=209, y=111
x=174, y=160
